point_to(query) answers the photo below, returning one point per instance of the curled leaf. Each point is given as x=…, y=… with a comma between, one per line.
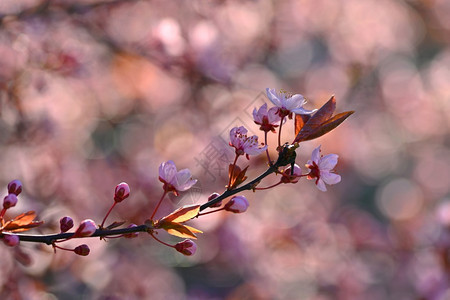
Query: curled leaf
x=22, y=222
x=236, y=175
x=320, y=123
x=182, y=214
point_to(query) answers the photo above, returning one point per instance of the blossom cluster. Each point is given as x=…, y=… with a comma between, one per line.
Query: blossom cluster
x=309, y=124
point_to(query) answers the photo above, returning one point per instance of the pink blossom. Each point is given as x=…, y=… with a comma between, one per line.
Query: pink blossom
x=288, y=104
x=11, y=240
x=321, y=169
x=175, y=181
x=267, y=119
x=10, y=200
x=86, y=228
x=121, y=192
x=187, y=247
x=244, y=144
x=237, y=204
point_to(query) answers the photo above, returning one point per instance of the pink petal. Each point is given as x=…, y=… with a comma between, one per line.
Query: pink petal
x=273, y=97
x=328, y=162
x=315, y=156
x=167, y=171
x=330, y=178
x=294, y=102
x=321, y=185
x=183, y=181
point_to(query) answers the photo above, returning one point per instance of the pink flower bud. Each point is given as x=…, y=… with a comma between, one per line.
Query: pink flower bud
x=65, y=224
x=121, y=192
x=15, y=187
x=11, y=240
x=214, y=196
x=237, y=204
x=132, y=234
x=10, y=200
x=82, y=250
x=86, y=228
x=186, y=247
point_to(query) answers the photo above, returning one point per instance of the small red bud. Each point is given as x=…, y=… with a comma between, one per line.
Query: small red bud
x=121, y=192
x=11, y=240
x=10, y=200
x=214, y=196
x=82, y=250
x=15, y=187
x=65, y=224
x=86, y=228
x=186, y=247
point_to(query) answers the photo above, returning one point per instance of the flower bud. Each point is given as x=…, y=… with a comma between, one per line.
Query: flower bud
x=86, y=228
x=82, y=250
x=186, y=247
x=214, y=196
x=11, y=240
x=121, y=192
x=15, y=187
x=65, y=224
x=10, y=200
x=237, y=204
x=131, y=234
x=294, y=178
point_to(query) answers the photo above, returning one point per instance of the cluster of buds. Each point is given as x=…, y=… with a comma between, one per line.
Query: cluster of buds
x=10, y=200
x=309, y=124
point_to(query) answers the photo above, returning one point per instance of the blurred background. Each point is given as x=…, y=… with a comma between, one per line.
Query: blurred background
x=97, y=92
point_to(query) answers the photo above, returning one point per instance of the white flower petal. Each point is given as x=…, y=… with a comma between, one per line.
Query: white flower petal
x=167, y=171
x=321, y=185
x=302, y=111
x=294, y=102
x=315, y=156
x=328, y=162
x=183, y=181
x=273, y=97
x=330, y=178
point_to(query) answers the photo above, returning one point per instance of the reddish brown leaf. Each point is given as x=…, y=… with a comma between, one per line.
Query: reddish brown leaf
x=115, y=224
x=237, y=176
x=22, y=222
x=14, y=228
x=300, y=121
x=179, y=230
x=321, y=122
x=328, y=125
x=182, y=214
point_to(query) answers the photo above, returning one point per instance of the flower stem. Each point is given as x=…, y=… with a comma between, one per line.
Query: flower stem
x=269, y=187
x=159, y=203
x=107, y=214
x=279, y=132
x=267, y=150
x=164, y=243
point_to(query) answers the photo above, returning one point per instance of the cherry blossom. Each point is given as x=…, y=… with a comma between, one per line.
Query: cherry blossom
x=268, y=119
x=244, y=144
x=321, y=169
x=175, y=181
x=288, y=104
